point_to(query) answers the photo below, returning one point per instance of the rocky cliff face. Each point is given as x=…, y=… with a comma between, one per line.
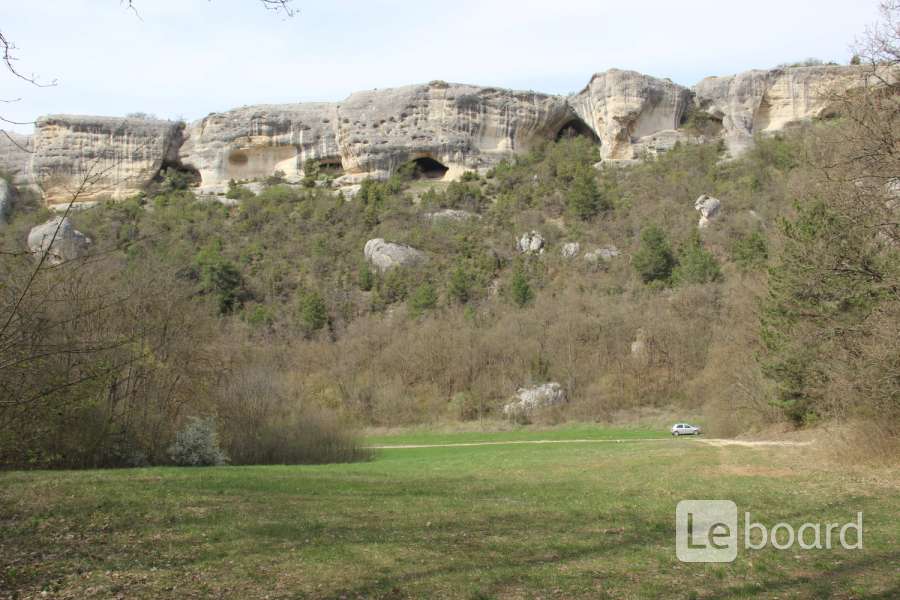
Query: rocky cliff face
x=451, y=127
x=255, y=141
x=767, y=101
x=623, y=106
x=100, y=156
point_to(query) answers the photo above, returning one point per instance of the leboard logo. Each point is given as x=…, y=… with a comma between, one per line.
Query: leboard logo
x=707, y=531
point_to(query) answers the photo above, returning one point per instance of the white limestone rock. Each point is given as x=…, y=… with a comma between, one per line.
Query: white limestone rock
x=531, y=243
x=570, y=249
x=386, y=255
x=604, y=254
x=451, y=215
x=530, y=399
x=68, y=243
x=709, y=208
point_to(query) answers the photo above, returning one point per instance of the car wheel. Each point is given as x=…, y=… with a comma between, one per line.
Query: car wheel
x=675, y=433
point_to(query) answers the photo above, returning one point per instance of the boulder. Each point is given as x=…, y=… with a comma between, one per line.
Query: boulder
x=570, y=249
x=451, y=214
x=709, y=208
x=533, y=398
x=7, y=196
x=386, y=255
x=531, y=243
x=68, y=244
x=605, y=254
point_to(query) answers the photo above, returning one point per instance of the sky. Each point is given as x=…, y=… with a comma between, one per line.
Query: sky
x=182, y=59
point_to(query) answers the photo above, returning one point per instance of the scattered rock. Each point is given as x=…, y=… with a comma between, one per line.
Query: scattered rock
x=69, y=243
x=7, y=196
x=709, y=208
x=451, y=214
x=349, y=191
x=530, y=399
x=605, y=254
x=570, y=249
x=386, y=255
x=531, y=243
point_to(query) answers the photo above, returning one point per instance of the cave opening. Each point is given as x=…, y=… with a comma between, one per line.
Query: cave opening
x=331, y=166
x=173, y=175
x=575, y=127
x=427, y=168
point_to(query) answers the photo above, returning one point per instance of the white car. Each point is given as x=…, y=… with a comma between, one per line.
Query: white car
x=685, y=429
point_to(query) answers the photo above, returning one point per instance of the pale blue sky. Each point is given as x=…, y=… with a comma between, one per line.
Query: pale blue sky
x=186, y=58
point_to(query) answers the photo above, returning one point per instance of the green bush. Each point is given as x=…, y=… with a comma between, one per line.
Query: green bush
x=654, y=260
x=695, y=264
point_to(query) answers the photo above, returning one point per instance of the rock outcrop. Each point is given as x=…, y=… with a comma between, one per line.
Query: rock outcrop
x=709, y=208
x=531, y=243
x=623, y=106
x=68, y=244
x=570, y=249
x=451, y=215
x=531, y=399
x=767, y=101
x=256, y=141
x=445, y=128
x=386, y=255
x=604, y=254
x=100, y=156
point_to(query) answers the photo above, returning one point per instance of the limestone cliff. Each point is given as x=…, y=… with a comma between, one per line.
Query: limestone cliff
x=623, y=106
x=100, y=156
x=766, y=101
x=255, y=141
x=451, y=127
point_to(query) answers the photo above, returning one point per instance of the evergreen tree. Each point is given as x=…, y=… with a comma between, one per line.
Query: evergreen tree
x=696, y=265
x=521, y=291
x=654, y=260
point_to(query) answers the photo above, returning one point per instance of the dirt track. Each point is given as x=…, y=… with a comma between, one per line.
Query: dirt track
x=711, y=442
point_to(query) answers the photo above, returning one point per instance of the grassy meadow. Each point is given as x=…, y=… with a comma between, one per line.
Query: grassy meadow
x=569, y=520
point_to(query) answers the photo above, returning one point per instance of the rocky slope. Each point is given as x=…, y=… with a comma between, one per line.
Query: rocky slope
x=448, y=128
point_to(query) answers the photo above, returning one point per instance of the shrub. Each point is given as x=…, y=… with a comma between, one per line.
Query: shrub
x=751, y=251
x=313, y=312
x=584, y=199
x=520, y=290
x=654, y=260
x=197, y=444
x=696, y=265
x=423, y=298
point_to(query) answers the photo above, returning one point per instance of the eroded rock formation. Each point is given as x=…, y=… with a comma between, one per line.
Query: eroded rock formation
x=89, y=157
x=767, y=101
x=446, y=129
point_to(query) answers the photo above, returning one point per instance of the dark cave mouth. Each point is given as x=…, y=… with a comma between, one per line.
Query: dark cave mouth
x=428, y=168
x=575, y=127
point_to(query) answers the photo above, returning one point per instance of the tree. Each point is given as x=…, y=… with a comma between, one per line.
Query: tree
x=423, y=298
x=654, y=259
x=521, y=291
x=219, y=276
x=695, y=264
x=458, y=288
x=313, y=312
x=585, y=199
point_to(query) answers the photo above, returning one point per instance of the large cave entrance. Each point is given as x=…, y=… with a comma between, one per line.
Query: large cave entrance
x=575, y=127
x=427, y=168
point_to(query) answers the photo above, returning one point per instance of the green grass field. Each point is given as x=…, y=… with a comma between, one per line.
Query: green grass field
x=574, y=520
